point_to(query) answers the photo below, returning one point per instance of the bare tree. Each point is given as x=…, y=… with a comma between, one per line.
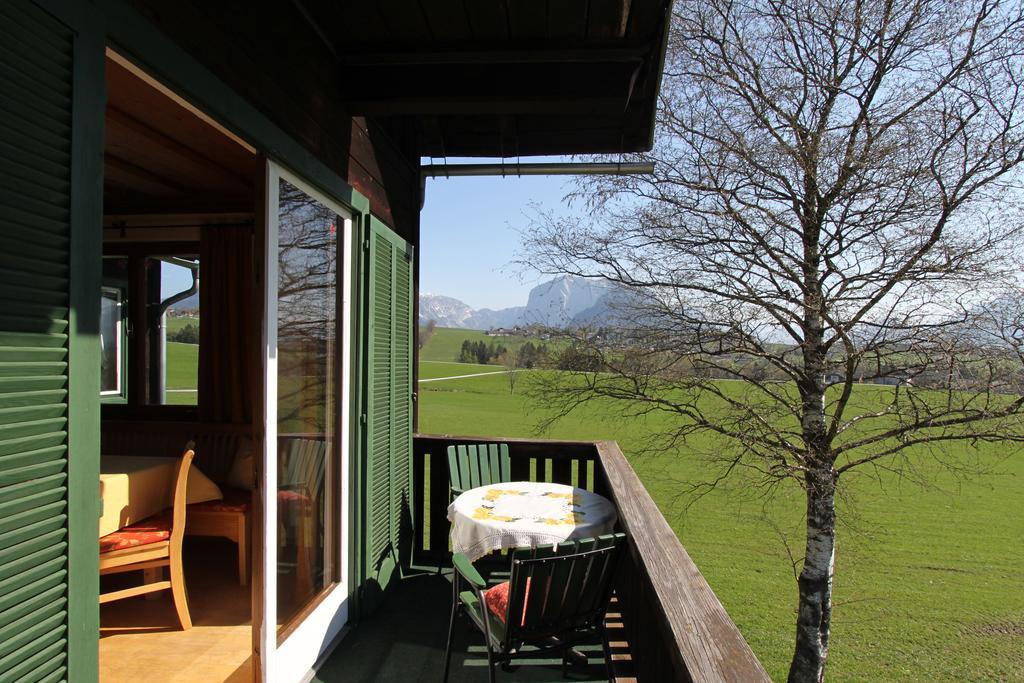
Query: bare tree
x=512, y=361
x=837, y=196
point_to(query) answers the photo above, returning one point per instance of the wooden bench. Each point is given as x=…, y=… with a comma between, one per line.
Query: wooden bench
x=226, y=518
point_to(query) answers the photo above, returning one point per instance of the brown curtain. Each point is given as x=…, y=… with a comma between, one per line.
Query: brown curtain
x=227, y=332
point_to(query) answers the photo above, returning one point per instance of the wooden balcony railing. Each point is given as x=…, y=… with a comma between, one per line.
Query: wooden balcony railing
x=676, y=627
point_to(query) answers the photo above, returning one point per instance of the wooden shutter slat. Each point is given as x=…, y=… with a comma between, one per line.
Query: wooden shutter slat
x=21, y=588
x=32, y=553
x=39, y=654
x=388, y=361
x=35, y=204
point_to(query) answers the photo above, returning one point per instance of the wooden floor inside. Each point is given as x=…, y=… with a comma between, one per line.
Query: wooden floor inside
x=140, y=639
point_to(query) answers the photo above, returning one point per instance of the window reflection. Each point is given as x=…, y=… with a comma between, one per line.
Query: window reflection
x=110, y=342
x=306, y=386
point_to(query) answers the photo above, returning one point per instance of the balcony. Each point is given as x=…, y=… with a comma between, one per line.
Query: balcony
x=665, y=623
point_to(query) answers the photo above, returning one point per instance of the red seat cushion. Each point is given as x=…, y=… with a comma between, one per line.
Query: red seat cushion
x=289, y=498
x=496, y=598
x=234, y=500
x=150, y=530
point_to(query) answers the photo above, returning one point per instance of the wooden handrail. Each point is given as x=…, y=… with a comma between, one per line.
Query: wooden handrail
x=701, y=642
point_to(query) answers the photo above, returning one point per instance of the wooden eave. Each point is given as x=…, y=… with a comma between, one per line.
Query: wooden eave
x=497, y=78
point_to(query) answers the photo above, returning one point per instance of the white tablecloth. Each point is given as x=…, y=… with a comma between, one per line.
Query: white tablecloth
x=525, y=514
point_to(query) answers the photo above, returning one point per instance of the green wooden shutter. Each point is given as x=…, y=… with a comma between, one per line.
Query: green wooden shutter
x=36, y=54
x=389, y=406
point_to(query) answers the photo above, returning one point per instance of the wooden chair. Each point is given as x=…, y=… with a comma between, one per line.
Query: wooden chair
x=152, y=544
x=477, y=465
x=553, y=597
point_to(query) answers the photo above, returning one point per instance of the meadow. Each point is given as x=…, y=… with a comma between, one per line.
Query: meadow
x=929, y=579
x=182, y=373
x=182, y=365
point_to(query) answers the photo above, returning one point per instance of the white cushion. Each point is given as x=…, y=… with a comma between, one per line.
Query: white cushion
x=201, y=488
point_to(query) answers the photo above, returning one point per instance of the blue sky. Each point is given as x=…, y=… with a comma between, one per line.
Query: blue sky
x=470, y=233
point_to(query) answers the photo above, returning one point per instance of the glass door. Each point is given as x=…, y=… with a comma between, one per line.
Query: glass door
x=308, y=333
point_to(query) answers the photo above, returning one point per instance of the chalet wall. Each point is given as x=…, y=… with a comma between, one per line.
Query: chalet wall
x=270, y=55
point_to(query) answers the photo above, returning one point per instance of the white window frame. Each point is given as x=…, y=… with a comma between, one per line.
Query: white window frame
x=294, y=659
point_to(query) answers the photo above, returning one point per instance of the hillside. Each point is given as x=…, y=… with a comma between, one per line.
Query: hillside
x=446, y=343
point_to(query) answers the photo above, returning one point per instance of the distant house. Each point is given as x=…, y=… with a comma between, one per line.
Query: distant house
x=893, y=380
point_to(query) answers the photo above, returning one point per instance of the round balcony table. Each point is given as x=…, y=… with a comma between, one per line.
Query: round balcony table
x=525, y=514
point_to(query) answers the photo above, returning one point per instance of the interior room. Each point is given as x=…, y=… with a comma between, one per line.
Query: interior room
x=180, y=193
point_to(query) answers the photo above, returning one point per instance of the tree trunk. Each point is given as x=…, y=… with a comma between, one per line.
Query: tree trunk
x=815, y=611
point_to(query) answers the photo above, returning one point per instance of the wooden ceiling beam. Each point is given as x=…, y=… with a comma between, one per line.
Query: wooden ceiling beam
x=492, y=106
x=134, y=177
x=174, y=146
x=454, y=56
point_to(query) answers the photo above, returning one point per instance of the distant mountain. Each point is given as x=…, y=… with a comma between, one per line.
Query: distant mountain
x=488, y=319
x=190, y=303
x=562, y=302
x=556, y=303
x=444, y=311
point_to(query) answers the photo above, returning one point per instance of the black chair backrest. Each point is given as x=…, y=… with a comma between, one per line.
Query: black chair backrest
x=478, y=465
x=553, y=591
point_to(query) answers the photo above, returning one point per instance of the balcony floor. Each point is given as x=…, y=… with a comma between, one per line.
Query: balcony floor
x=404, y=641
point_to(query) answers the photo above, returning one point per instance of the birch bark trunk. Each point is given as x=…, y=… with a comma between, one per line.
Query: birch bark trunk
x=815, y=581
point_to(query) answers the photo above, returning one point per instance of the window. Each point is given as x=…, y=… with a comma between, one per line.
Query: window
x=112, y=344
x=175, y=332
x=149, y=328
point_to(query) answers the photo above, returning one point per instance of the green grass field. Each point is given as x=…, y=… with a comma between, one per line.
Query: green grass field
x=182, y=373
x=437, y=369
x=929, y=581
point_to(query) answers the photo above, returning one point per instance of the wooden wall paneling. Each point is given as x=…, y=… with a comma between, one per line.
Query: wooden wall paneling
x=487, y=20
x=447, y=20
x=567, y=19
x=527, y=19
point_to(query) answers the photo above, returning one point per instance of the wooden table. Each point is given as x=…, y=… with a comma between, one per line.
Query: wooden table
x=135, y=487
x=526, y=513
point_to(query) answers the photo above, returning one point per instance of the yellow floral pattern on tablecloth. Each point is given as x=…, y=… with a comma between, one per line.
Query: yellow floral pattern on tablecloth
x=569, y=514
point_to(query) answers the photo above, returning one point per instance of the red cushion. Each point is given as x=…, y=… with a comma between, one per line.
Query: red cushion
x=496, y=598
x=150, y=530
x=234, y=500
x=288, y=497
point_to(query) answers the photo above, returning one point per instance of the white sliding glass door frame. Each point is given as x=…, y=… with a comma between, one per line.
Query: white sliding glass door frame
x=295, y=656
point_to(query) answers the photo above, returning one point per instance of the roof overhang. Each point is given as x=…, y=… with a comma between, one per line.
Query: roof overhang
x=496, y=78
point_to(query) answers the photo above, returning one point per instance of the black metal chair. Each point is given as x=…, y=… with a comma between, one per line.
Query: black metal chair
x=554, y=597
